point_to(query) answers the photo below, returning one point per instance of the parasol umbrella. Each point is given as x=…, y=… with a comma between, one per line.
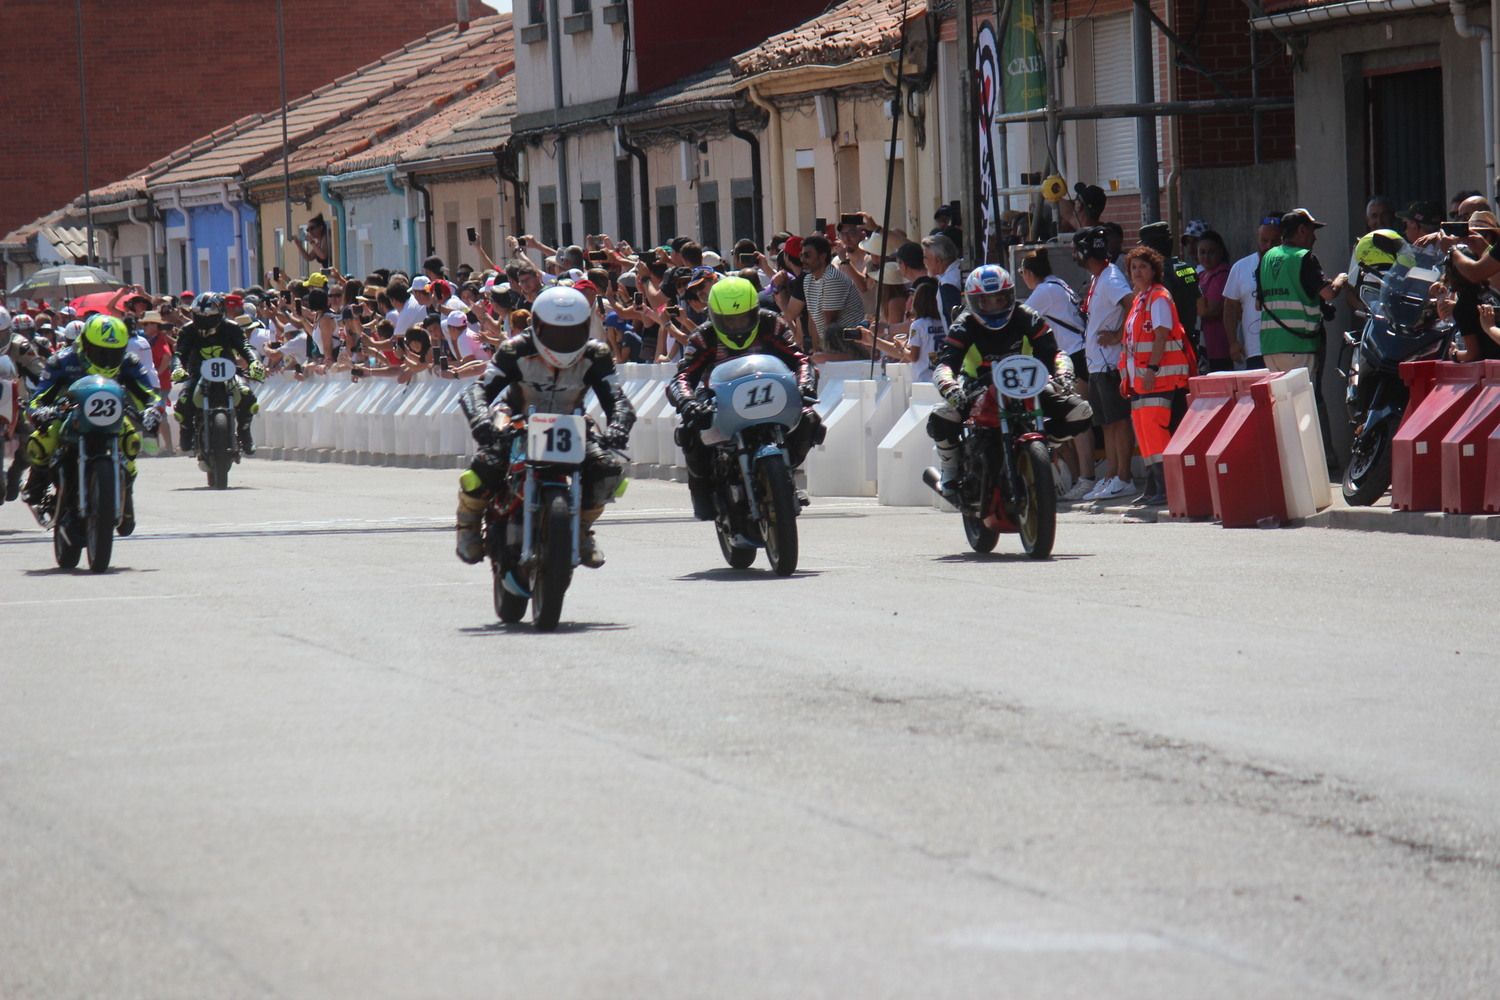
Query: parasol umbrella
x=109, y=303
x=65, y=281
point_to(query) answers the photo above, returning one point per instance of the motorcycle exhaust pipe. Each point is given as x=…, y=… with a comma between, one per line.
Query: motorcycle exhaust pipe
x=933, y=479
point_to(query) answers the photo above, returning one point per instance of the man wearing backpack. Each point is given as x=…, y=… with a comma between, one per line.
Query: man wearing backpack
x=1054, y=301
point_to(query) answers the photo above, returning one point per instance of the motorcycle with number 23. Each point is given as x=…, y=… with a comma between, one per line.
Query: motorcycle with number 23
x=84, y=503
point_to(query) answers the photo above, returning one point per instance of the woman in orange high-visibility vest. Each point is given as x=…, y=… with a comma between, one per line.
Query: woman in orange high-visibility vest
x=1155, y=362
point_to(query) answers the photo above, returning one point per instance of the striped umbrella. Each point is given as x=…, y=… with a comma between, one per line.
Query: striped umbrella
x=65, y=282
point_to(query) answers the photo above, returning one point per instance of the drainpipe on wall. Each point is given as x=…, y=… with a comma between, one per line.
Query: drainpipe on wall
x=151, y=242
x=1486, y=83
x=337, y=202
x=776, y=155
x=1494, y=97
x=639, y=155
x=755, y=175
x=239, y=244
x=412, y=182
x=507, y=165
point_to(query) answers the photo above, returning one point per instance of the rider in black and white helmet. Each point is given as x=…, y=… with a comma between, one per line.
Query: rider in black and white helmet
x=553, y=366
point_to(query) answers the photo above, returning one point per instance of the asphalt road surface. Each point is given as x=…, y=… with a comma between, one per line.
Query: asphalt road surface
x=285, y=750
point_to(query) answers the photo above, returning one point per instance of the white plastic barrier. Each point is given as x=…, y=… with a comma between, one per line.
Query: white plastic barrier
x=1299, y=442
x=906, y=450
x=836, y=468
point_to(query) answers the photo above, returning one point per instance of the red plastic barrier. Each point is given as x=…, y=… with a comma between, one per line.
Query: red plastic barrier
x=1185, y=461
x=1416, y=451
x=1466, y=453
x=1244, y=465
x=1419, y=376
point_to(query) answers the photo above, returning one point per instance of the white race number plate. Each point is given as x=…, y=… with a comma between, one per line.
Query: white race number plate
x=759, y=399
x=217, y=370
x=556, y=438
x=102, y=409
x=1020, y=376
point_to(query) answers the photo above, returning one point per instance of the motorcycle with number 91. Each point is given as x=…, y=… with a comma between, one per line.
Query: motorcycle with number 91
x=1007, y=483
x=217, y=397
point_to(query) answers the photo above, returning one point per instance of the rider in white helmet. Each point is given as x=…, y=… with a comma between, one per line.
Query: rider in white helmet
x=552, y=366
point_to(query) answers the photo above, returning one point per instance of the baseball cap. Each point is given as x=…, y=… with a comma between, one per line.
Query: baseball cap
x=457, y=320
x=1091, y=242
x=1423, y=213
x=186, y=296
x=792, y=247
x=421, y=283
x=1195, y=228
x=316, y=280
x=1302, y=217
x=234, y=301
x=1484, y=222
x=1092, y=196
x=585, y=285
x=710, y=260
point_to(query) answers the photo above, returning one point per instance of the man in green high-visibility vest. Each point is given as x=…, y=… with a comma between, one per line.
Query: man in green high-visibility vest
x=1293, y=294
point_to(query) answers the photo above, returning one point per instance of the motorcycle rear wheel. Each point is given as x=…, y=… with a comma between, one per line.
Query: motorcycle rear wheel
x=1036, y=513
x=220, y=450
x=554, y=564
x=778, y=513
x=1368, y=475
x=99, y=531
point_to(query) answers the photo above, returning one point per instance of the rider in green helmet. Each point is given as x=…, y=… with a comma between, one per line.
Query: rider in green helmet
x=99, y=350
x=736, y=326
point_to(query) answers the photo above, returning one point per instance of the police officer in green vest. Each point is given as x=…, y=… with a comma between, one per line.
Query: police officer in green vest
x=1180, y=278
x=1295, y=296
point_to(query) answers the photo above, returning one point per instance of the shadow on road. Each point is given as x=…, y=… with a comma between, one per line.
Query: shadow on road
x=1020, y=557
x=727, y=575
x=209, y=489
x=501, y=628
x=82, y=570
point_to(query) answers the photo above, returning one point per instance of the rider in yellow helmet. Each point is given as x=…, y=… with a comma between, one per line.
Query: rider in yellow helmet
x=736, y=326
x=99, y=350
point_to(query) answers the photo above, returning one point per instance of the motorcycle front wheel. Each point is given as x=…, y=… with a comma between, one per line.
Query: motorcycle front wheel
x=219, y=451
x=778, y=513
x=554, y=563
x=508, y=607
x=64, y=550
x=1036, y=512
x=99, y=532
x=736, y=555
x=1368, y=475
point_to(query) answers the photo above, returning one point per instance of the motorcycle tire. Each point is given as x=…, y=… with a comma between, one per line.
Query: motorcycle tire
x=554, y=564
x=508, y=607
x=1036, y=511
x=981, y=539
x=1368, y=472
x=99, y=531
x=66, y=551
x=778, y=513
x=220, y=451
x=737, y=556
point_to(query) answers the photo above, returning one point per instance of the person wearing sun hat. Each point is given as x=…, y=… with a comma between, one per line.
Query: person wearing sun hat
x=1190, y=234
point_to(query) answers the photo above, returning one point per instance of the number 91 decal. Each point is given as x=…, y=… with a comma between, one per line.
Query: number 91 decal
x=1020, y=376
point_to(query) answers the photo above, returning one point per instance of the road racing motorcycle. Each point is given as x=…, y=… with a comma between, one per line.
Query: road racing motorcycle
x=217, y=395
x=756, y=403
x=1006, y=484
x=532, y=525
x=84, y=503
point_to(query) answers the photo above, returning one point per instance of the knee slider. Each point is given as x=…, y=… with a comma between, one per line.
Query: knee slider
x=942, y=429
x=37, y=450
x=470, y=482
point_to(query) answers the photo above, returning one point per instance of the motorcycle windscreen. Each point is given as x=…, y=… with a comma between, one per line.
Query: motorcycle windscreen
x=1406, y=293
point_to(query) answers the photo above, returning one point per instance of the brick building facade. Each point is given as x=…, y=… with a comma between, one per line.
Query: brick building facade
x=217, y=62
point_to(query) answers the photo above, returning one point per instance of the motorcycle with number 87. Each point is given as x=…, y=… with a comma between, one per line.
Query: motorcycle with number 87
x=1007, y=483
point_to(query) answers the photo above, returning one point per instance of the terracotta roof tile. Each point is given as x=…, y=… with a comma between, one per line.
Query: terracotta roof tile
x=412, y=105
x=255, y=143
x=854, y=29
x=475, y=123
